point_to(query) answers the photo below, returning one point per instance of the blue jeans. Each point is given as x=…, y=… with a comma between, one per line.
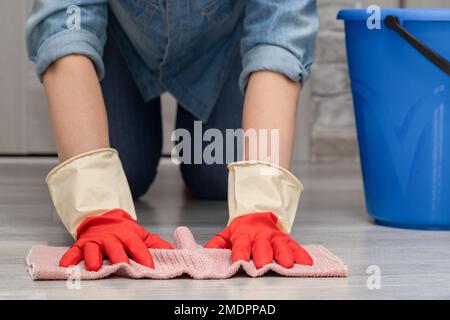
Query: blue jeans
x=135, y=128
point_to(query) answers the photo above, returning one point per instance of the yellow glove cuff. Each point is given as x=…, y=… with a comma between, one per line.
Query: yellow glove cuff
x=89, y=185
x=258, y=186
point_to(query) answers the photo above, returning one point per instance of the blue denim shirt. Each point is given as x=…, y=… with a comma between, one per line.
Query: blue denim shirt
x=181, y=46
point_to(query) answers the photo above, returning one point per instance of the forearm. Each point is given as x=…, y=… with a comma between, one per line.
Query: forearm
x=271, y=103
x=76, y=106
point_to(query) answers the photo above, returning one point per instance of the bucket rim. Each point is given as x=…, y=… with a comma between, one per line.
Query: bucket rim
x=404, y=14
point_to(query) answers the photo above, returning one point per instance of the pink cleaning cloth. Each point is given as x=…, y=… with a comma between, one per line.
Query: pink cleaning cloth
x=188, y=257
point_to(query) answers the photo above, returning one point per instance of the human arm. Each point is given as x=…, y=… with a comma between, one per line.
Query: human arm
x=263, y=195
x=88, y=188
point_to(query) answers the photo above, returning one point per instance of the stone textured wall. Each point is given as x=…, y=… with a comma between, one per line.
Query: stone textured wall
x=333, y=134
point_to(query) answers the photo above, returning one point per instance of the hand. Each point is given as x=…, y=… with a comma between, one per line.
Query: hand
x=116, y=235
x=257, y=235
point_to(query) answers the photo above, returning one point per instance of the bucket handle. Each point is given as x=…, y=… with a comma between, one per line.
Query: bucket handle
x=392, y=22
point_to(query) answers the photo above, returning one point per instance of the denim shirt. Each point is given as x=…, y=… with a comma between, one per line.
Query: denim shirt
x=181, y=46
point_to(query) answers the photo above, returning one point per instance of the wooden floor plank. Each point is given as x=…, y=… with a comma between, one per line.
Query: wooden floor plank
x=413, y=264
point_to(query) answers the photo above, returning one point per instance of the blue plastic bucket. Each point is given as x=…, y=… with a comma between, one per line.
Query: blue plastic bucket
x=401, y=95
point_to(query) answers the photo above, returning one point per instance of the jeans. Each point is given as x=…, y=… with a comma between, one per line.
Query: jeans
x=135, y=128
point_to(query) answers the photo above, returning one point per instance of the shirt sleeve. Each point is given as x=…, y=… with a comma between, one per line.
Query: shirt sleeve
x=279, y=36
x=58, y=28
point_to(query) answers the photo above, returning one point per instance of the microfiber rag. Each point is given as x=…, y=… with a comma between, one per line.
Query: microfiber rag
x=188, y=257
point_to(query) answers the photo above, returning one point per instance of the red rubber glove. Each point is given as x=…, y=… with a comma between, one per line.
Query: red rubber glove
x=257, y=235
x=116, y=235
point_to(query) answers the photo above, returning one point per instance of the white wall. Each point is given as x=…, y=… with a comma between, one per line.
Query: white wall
x=12, y=66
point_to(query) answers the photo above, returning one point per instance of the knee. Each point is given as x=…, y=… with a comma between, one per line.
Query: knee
x=139, y=184
x=140, y=176
x=206, y=181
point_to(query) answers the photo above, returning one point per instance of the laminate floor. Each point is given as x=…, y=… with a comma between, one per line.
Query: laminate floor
x=411, y=264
